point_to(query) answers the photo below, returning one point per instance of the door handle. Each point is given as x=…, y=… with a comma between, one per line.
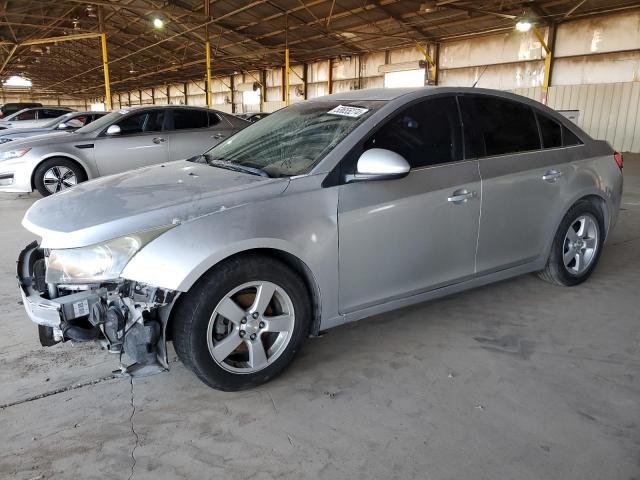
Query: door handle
x=551, y=176
x=159, y=140
x=218, y=135
x=461, y=196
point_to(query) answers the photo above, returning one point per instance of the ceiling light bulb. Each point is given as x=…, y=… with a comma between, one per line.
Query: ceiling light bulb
x=158, y=23
x=523, y=25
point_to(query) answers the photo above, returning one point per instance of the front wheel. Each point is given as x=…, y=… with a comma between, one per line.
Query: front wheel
x=576, y=246
x=242, y=323
x=57, y=174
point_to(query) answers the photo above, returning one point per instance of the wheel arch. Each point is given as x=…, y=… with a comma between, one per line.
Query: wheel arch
x=290, y=260
x=62, y=156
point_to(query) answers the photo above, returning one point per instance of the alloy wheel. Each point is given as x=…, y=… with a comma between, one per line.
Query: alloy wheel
x=250, y=327
x=58, y=178
x=581, y=243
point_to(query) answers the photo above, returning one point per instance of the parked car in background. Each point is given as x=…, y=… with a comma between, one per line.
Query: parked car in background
x=326, y=212
x=32, y=116
x=123, y=140
x=253, y=117
x=68, y=122
x=11, y=108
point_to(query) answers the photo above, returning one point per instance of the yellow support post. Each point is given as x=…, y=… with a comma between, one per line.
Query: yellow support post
x=105, y=67
x=207, y=46
x=430, y=61
x=547, y=64
x=286, y=76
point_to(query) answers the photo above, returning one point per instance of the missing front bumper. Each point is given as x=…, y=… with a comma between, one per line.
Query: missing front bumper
x=125, y=317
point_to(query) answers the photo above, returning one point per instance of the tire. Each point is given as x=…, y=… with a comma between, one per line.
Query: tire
x=572, y=260
x=198, y=334
x=57, y=174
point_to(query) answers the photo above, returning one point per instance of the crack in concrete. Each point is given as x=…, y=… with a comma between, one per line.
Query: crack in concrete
x=133, y=430
x=58, y=390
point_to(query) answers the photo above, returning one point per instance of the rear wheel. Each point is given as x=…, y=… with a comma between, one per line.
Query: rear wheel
x=243, y=323
x=57, y=174
x=576, y=246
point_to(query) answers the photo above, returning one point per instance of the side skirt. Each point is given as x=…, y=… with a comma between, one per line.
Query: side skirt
x=433, y=294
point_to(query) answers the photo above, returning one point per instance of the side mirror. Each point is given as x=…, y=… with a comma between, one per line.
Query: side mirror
x=62, y=126
x=113, y=130
x=380, y=164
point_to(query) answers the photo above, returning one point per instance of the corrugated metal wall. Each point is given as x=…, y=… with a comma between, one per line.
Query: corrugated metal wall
x=606, y=111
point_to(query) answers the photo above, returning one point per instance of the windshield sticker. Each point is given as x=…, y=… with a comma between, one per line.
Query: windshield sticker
x=353, y=112
x=123, y=112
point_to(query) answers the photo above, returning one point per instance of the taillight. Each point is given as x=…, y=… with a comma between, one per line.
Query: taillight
x=617, y=156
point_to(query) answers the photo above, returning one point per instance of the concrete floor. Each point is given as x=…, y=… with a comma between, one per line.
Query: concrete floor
x=519, y=380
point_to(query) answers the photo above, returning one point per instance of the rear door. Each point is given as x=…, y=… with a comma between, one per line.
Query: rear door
x=194, y=131
x=404, y=236
x=141, y=142
x=521, y=182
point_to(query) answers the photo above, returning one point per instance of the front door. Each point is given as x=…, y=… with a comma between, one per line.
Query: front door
x=402, y=237
x=141, y=142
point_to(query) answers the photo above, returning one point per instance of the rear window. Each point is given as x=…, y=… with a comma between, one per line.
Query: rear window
x=551, y=132
x=569, y=138
x=185, y=119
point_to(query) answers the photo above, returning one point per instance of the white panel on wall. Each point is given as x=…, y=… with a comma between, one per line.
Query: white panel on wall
x=407, y=78
x=613, y=67
x=501, y=77
x=611, y=33
x=503, y=48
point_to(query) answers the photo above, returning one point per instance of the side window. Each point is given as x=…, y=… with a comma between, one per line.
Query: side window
x=213, y=119
x=51, y=113
x=550, y=130
x=77, y=122
x=142, y=123
x=427, y=133
x=30, y=115
x=185, y=119
x=499, y=126
x=569, y=138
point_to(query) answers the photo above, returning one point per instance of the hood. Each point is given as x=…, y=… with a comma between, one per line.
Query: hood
x=20, y=131
x=137, y=200
x=45, y=139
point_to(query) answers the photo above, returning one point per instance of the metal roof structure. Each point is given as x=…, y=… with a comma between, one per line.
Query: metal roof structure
x=244, y=34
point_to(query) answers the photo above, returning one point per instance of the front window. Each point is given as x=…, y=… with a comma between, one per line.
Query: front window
x=103, y=122
x=293, y=140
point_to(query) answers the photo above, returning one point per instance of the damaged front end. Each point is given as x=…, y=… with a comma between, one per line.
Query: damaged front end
x=125, y=317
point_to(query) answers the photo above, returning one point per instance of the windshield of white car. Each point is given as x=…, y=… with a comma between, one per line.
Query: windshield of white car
x=102, y=122
x=293, y=140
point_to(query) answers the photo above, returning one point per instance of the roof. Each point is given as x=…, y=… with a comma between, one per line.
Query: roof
x=245, y=35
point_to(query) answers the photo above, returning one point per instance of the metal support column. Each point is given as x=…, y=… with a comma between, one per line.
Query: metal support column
x=263, y=89
x=105, y=68
x=548, y=59
x=305, y=77
x=330, y=76
x=207, y=47
x=233, y=95
x=286, y=76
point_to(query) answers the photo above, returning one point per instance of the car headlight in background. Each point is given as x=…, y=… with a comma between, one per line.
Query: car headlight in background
x=17, y=153
x=100, y=262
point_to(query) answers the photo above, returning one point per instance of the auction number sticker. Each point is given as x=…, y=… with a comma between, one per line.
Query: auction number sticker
x=81, y=308
x=353, y=112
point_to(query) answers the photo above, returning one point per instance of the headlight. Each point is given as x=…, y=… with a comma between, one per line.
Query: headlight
x=17, y=153
x=5, y=139
x=100, y=262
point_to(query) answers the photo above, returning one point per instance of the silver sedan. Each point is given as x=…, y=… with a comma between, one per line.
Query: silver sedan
x=325, y=212
x=123, y=140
